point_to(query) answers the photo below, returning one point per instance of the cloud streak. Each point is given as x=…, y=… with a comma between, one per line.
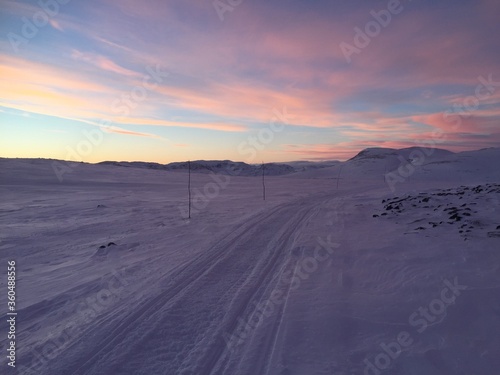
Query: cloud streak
x=228, y=76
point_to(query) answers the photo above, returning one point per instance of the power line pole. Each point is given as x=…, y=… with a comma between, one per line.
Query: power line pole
x=189, y=189
x=338, y=177
x=263, y=183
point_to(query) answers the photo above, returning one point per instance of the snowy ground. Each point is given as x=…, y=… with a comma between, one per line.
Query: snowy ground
x=357, y=279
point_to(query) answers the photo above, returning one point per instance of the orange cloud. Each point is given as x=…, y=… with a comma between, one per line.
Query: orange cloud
x=117, y=130
x=37, y=88
x=157, y=122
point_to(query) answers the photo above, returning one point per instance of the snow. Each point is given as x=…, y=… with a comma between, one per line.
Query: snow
x=113, y=278
x=226, y=167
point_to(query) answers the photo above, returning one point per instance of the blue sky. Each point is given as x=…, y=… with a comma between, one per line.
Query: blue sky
x=167, y=81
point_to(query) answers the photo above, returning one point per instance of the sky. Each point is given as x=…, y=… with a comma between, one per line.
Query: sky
x=246, y=80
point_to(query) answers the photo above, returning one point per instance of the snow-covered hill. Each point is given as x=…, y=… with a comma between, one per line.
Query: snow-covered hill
x=406, y=166
x=226, y=167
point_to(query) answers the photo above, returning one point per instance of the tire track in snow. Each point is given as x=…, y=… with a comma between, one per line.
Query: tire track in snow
x=264, y=365
x=286, y=245
x=251, y=270
x=182, y=275
x=97, y=358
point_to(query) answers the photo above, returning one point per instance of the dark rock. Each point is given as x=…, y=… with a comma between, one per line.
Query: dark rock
x=494, y=234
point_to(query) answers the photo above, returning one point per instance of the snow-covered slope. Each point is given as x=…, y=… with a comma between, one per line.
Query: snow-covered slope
x=301, y=166
x=406, y=166
x=320, y=278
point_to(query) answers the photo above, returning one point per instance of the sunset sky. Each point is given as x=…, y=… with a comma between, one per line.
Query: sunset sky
x=171, y=80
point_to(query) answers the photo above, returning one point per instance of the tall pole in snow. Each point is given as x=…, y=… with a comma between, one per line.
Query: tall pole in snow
x=338, y=177
x=189, y=189
x=263, y=184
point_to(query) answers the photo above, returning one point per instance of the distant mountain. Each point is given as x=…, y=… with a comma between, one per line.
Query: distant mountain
x=406, y=153
x=232, y=168
x=388, y=159
x=215, y=166
x=423, y=163
x=374, y=153
x=308, y=165
x=418, y=163
x=371, y=161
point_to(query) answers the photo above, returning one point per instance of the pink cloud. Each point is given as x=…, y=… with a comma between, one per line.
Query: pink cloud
x=55, y=24
x=103, y=63
x=117, y=130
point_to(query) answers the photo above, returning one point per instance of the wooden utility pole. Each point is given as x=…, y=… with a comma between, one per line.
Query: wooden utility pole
x=338, y=177
x=189, y=189
x=263, y=183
